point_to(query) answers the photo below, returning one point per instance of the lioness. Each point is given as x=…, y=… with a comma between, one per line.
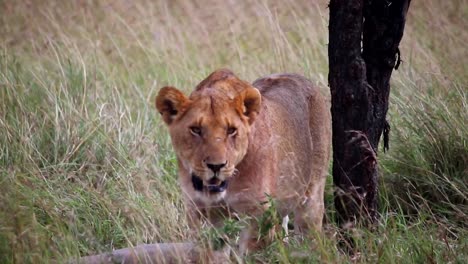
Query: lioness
x=238, y=143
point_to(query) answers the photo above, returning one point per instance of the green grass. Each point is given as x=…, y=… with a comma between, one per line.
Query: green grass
x=86, y=165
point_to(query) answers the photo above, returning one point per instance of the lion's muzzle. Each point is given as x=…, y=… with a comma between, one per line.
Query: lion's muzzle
x=214, y=185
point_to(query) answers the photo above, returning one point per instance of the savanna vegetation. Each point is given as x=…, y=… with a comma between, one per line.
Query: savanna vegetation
x=86, y=165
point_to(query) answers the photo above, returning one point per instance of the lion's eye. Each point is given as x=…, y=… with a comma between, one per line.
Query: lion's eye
x=231, y=131
x=195, y=131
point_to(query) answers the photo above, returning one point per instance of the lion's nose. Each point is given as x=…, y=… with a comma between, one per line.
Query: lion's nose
x=215, y=167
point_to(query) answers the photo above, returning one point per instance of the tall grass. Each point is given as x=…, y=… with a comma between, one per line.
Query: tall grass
x=428, y=170
x=86, y=165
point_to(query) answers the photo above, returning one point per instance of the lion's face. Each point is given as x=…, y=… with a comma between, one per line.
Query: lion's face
x=209, y=131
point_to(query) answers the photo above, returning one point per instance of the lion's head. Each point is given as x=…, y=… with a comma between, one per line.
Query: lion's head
x=210, y=129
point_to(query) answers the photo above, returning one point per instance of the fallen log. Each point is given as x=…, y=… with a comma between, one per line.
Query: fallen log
x=148, y=253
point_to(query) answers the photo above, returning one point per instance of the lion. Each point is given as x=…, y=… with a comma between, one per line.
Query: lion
x=240, y=144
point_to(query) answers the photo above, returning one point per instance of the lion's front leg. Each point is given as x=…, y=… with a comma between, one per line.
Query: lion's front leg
x=194, y=217
x=252, y=238
x=200, y=220
x=248, y=241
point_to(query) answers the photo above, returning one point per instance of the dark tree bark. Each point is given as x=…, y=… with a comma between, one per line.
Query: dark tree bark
x=363, y=50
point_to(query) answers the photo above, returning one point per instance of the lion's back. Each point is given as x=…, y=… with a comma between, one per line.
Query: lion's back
x=300, y=118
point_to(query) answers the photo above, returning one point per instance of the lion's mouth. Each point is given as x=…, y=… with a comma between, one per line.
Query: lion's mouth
x=214, y=185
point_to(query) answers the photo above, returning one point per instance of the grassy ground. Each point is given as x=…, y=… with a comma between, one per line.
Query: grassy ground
x=86, y=165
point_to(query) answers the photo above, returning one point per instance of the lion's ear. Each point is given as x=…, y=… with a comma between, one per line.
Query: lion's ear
x=170, y=103
x=250, y=101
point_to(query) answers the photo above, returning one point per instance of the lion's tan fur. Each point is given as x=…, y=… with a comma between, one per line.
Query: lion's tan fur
x=281, y=148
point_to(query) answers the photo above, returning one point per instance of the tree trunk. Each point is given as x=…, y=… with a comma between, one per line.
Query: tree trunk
x=359, y=80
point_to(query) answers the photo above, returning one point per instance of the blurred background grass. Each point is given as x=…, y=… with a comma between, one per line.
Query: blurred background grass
x=86, y=165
